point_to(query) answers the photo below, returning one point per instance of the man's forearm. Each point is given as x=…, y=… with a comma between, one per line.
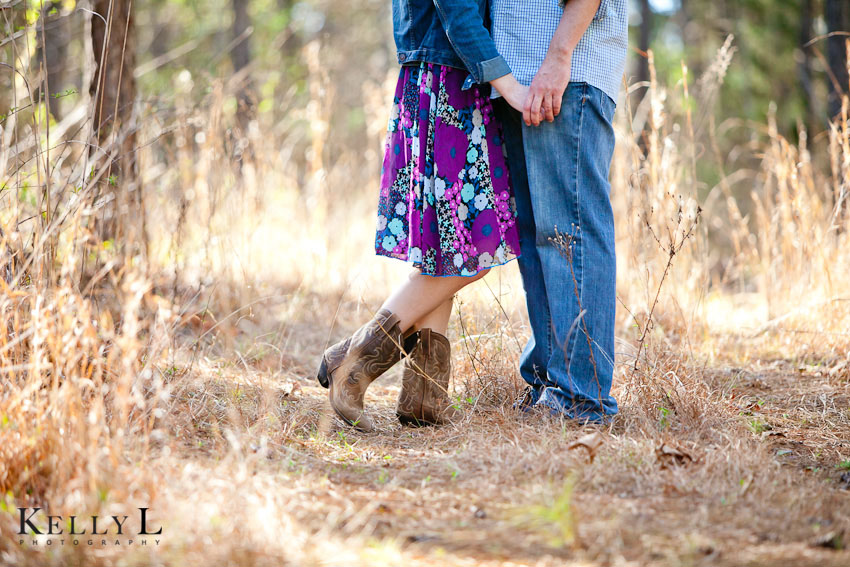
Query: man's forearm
x=547, y=89
x=574, y=22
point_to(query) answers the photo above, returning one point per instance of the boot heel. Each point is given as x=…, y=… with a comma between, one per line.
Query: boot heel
x=424, y=398
x=348, y=367
x=410, y=421
x=322, y=375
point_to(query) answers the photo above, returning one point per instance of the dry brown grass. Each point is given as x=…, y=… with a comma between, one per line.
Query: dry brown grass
x=183, y=381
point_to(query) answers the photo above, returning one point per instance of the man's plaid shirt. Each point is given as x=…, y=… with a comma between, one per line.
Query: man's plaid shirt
x=522, y=30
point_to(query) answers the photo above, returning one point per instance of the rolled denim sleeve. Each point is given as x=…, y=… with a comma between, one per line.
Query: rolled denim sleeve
x=471, y=40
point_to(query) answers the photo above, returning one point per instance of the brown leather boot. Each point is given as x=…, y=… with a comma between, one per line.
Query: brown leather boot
x=424, y=398
x=349, y=366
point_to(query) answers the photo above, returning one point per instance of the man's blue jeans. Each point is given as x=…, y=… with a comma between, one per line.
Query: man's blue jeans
x=559, y=172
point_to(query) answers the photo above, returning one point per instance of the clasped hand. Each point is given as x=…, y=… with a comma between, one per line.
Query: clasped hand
x=542, y=100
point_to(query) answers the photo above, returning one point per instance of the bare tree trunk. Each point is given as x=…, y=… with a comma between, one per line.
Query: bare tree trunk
x=241, y=54
x=643, y=39
x=836, y=14
x=113, y=91
x=292, y=44
x=804, y=69
x=53, y=36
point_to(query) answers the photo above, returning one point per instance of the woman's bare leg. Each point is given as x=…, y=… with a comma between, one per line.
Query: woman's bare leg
x=438, y=319
x=420, y=295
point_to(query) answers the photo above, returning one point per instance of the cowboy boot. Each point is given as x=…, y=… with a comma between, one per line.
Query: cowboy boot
x=424, y=397
x=349, y=366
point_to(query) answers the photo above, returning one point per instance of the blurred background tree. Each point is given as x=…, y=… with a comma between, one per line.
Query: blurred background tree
x=113, y=91
x=776, y=58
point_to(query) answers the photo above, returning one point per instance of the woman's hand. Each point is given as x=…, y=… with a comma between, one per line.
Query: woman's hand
x=512, y=91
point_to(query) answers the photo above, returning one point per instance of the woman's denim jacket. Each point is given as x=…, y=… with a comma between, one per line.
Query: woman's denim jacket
x=448, y=32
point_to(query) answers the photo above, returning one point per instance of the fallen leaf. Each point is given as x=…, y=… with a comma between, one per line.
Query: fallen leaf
x=591, y=442
x=837, y=368
x=670, y=455
x=290, y=389
x=831, y=540
x=421, y=538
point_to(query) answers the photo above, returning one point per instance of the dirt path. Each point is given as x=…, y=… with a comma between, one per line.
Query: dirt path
x=493, y=487
x=756, y=474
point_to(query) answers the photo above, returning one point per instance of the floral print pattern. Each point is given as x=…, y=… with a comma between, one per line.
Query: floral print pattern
x=446, y=202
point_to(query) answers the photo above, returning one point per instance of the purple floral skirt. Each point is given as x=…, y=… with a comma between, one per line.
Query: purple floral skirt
x=446, y=201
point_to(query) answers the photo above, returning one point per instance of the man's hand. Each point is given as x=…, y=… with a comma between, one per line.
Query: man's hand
x=547, y=89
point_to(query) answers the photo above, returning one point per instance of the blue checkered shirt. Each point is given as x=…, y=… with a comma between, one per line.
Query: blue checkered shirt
x=522, y=30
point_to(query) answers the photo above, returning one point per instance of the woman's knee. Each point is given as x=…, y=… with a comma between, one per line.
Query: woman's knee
x=461, y=281
x=466, y=280
x=480, y=274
